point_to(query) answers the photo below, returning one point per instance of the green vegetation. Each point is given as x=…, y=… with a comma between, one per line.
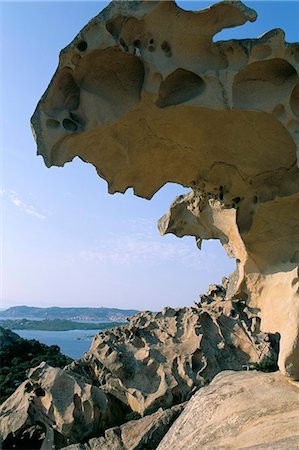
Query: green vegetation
x=55, y=325
x=133, y=415
x=24, y=354
x=267, y=365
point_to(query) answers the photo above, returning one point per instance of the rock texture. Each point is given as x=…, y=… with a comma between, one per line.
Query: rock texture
x=145, y=433
x=52, y=409
x=148, y=104
x=156, y=360
x=251, y=411
x=159, y=359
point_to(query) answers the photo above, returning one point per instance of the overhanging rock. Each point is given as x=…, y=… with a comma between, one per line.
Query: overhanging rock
x=145, y=95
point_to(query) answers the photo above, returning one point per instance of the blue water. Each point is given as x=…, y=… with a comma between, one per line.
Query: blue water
x=72, y=343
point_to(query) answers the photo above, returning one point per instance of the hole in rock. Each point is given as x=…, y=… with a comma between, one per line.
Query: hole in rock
x=263, y=84
x=179, y=87
x=69, y=125
x=82, y=46
x=113, y=74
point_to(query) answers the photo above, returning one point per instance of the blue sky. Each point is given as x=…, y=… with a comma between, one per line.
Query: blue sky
x=65, y=240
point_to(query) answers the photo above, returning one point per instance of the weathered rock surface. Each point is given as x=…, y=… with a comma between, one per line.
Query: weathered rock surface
x=239, y=410
x=52, y=409
x=148, y=104
x=145, y=433
x=156, y=360
x=159, y=359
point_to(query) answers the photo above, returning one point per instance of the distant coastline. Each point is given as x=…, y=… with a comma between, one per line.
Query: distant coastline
x=31, y=313
x=54, y=325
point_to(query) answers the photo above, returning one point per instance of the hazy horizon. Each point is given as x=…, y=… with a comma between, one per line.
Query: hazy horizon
x=65, y=241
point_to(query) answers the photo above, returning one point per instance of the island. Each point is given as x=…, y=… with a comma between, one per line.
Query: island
x=54, y=325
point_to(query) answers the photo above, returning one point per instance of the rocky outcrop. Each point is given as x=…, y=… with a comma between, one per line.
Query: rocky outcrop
x=145, y=433
x=252, y=411
x=156, y=360
x=159, y=359
x=148, y=104
x=52, y=409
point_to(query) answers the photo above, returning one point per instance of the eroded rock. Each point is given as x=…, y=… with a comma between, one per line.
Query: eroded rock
x=160, y=359
x=148, y=104
x=237, y=410
x=156, y=360
x=52, y=409
x=145, y=433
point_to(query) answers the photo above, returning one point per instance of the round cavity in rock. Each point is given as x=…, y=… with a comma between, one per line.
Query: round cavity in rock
x=40, y=392
x=69, y=125
x=294, y=100
x=179, y=87
x=151, y=48
x=279, y=111
x=82, y=46
x=263, y=84
x=52, y=123
x=165, y=46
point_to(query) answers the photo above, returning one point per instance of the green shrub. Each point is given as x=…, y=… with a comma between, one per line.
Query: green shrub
x=133, y=415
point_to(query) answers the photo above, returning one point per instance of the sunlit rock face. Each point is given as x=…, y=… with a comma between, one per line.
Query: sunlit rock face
x=145, y=95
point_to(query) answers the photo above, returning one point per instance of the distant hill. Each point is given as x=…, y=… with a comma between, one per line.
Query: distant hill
x=54, y=325
x=55, y=312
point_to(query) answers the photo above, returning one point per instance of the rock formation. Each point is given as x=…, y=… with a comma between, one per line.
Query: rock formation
x=252, y=411
x=156, y=360
x=145, y=433
x=52, y=409
x=159, y=359
x=148, y=104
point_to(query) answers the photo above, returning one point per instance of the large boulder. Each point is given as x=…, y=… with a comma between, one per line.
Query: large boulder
x=147, y=96
x=52, y=409
x=252, y=411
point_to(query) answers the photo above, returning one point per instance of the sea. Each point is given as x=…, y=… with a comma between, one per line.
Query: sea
x=73, y=343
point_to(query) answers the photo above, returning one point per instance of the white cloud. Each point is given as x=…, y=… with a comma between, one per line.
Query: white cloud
x=147, y=247
x=27, y=208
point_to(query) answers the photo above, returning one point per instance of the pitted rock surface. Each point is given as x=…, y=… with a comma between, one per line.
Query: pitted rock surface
x=160, y=359
x=145, y=95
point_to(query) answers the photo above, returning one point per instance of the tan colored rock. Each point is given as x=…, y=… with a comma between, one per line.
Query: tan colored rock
x=148, y=104
x=145, y=433
x=160, y=359
x=267, y=266
x=53, y=409
x=237, y=411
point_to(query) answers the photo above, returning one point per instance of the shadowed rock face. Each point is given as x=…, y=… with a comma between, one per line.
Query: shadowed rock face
x=148, y=104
